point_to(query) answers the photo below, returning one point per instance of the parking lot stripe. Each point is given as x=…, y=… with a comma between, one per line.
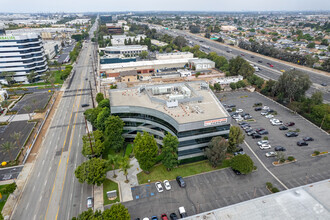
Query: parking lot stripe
x=265, y=166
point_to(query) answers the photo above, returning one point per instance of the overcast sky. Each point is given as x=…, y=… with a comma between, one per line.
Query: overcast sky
x=160, y=5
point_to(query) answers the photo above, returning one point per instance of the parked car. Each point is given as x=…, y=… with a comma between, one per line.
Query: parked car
x=291, y=134
x=269, y=116
x=270, y=111
x=265, y=107
x=257, y=109
x=259, y=61
x=242, y=123
x=84, y=105
x=167, y=185
x=302, y=143
x=173, y=216
x=154, y=218
x=289, y=124
x=283, y=127
x=238, y=153
x=271, y=154
x=323, y=84
x=248, y=130
x=164, y=217
x=229, y=109
x=182, y=212
x=263, y=132
x=257, y=104
x=252, y=56
x=90, y=202
x=145, y=218
x=256, y=136
x=271, y=65
x=279, y=148
x=159, y=187
x=308, y=139
x=181, y=182
x=244, y=114
x=265, y=146
x=251, y=133
x=262, y=142
x=259, y=129
x=239, y=110
x=275, y=121
x=236, y=172
x=264, y=113
x=231, y=106
x=247, y=117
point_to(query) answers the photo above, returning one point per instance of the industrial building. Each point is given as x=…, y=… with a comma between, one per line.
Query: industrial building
x=187, y=110
x=22, y=54
x=125, y=50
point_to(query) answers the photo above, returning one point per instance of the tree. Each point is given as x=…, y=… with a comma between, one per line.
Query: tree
x=104, y=103
x=31, y=76
x=144, y=54
x=28, y=109
x=49, y=77
x=145, y=150
x=9, y=76
x=116, y=212
x=91, y=115
x=99, y=97
x=124, y=165
x=317, y=98
x=101, y=118
x=92, y=171
x=233, y=86
x=8, y=147
x=326, y=64
x=242, y=163
x=325, y=42
x=180, y=41
x=236, y=137
x=240, y=84
x=311, y=45
x=96, y=139
x=216, y=151
x=170, y=151
x=113, y=132
x=194, y=29
x=113, y=161
x=292, y=85
x=217, y=87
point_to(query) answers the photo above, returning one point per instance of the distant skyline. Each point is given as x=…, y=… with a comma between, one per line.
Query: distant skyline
x=31, y=6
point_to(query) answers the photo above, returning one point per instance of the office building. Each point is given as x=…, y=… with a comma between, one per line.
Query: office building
x=187, y=110
x=114, y=28
x=125, y=50
x=22, y=54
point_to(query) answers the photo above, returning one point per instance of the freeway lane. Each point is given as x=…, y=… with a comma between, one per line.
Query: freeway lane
x=52, y=190
x=266, y=72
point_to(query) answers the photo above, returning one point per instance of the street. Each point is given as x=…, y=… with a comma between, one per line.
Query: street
x=52, y=191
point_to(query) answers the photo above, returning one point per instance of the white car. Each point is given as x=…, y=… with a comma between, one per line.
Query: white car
x=239, y=119
x=265, y=146
x=159, y=187
x=262, y=142
x=265, y=108
x=269, y=116
x=271, y=154
x=167, y=185
x=264, y=113
x=239, y=110
x=275, y=121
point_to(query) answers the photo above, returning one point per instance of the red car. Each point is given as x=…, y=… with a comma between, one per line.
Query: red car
x=289, y=124
x=271, y=65
x=164, y=217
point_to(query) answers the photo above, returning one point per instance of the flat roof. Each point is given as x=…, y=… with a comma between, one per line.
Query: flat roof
x=207, y=109
x=144, y=63
x=127, y=47
x=305, y=202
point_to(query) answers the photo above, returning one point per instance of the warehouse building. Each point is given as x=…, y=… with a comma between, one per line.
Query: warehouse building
x=187, y=110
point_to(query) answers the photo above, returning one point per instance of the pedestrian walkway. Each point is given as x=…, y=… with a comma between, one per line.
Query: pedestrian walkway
x=19, y=117
x=125, y=191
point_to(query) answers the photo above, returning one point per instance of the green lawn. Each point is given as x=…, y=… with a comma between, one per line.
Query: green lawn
x=109, y=185
x=160, y=173
x=58, y=79
x=129, y=150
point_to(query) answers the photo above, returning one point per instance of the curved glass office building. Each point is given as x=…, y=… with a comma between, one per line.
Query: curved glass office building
x=189, y=111
x=21, y=55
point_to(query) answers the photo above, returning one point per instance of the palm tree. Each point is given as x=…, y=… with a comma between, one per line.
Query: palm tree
x=113, y=161
x=7, y=147
x=17, y=136
x=124, y=166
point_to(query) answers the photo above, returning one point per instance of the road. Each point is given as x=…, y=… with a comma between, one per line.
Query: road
x=266, y=71
x=52, y=191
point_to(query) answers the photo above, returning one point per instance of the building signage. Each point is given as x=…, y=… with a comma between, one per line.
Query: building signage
x=215, y=122
x=7, y=38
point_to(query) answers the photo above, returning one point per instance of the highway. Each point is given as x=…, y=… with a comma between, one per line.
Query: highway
x=52, y=191
x=265, y=72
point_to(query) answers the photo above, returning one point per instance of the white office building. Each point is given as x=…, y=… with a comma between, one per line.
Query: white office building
x=126, y=50
x=22, y=54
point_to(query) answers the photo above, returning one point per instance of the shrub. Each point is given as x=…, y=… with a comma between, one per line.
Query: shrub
x=316, y=152
x=282, y=160
x=269, y=185
x=233, y=86
x=265, y=138
x=291, y=158
x=274, y=190
x=9, y=188
x=159, y=158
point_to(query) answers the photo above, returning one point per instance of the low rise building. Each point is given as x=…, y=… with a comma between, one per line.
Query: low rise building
x=120, y=40
x=125, y=50
x=178, y=55
x=52, y=48
x=190, y=111
x=201, y=64
x=228, y=80
x=114, y=28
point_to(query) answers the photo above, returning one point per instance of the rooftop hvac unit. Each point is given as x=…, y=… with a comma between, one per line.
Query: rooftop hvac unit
x=204, y=86
x=186, y=91
x=172, y=104
x=175, y=97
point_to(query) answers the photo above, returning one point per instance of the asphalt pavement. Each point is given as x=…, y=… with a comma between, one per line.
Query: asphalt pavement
x=266, y=71
x=52, y=191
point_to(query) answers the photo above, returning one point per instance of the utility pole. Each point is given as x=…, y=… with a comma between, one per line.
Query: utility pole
x=89, y=137
x=90, y=87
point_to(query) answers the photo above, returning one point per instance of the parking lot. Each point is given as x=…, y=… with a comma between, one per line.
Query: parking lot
x=306, y=169
x=221, y=188
x=37, y=100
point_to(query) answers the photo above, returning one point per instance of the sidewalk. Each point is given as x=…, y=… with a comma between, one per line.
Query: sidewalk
x=125, y=192
x=18, y=117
